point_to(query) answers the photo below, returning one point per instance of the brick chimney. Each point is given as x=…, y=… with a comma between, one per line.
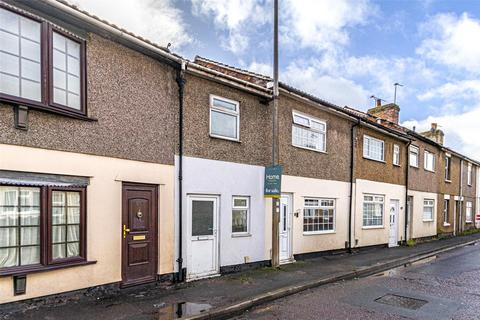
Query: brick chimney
x=389, y=112
x=434, y=134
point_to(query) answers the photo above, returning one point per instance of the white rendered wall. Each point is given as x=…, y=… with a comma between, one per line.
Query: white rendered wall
x=228, y=179
x=421, y=228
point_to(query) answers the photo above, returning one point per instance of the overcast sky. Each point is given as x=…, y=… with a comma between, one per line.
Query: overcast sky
x=340, y=50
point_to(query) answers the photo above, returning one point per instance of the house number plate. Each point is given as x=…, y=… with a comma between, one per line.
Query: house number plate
x=136, y=238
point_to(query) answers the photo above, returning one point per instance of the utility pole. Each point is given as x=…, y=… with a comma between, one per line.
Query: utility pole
x=275, y=201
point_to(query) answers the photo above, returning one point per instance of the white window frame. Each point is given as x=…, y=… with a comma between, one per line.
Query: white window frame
x=320, y=206
x=428, y=203
x=375, y=200
x=469, y=212
x=308, y=126
x=426, y=155
x=448, y=168
x=367, y=156
x=396, y=155
x=235, y=113
x=415, y=150
x=247, y=208
x=469, y=174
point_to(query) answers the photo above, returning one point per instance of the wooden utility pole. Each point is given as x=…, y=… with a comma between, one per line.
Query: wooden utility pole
x=275, y=201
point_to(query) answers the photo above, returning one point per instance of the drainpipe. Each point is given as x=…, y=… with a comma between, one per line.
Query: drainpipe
x=407, y=175
x=461, y=203
x=181, y=86
x=352, y=178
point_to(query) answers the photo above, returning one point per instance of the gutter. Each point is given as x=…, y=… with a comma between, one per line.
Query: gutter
x=181, y=87
x=460, y=201
x=352, y=178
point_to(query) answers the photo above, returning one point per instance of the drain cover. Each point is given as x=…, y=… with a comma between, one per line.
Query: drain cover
x=401, y=301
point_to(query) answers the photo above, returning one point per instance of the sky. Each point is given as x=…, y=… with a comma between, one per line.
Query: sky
x=343, y=51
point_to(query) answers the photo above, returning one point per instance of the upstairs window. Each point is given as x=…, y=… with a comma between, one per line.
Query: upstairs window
x=396, y=154
x=469, y=174
x=429, y=161
x=224, y=118
x=40, y=66
x=308, y=132
x=373, y=148
x=414, y=156
x=448, y=163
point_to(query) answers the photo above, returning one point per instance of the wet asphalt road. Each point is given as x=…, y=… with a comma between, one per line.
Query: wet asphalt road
x=445, y=287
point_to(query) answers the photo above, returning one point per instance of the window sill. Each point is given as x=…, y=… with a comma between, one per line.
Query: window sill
x=468, y=221
x=428, y=220
x=414, y=167
x=446, y=224
x=314, y=233
x=448, y=181
x=310, y=149
x=224, y=138
x=48, y=109
x=241, y=235
x=371, y=159
x=13, y=271
x=372, y=227
x=397, y=165
x=431, y=171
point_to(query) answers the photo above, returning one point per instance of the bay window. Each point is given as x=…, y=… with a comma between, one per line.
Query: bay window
x=40, y=66
x=41, y=227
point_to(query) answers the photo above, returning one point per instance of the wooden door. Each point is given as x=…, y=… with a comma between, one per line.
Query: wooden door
x=139, y=233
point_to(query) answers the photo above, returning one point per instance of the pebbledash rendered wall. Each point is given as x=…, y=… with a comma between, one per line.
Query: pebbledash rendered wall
x=104, y=215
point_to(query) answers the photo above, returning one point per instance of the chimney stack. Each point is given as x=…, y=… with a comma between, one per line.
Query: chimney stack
x=434, y=134
x=389, y=112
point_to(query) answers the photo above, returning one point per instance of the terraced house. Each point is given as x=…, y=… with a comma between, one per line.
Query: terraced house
x=124, y=164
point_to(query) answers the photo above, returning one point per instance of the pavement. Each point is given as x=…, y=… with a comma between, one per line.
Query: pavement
x=230, y=295
x=443, y=287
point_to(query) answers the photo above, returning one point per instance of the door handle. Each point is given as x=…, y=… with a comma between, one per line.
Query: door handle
x=125, y=231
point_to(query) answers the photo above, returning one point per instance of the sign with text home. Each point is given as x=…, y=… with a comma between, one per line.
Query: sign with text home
x=273, y=181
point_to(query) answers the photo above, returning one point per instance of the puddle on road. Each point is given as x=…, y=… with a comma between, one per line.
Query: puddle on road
x=396, y=271
x=180, y=310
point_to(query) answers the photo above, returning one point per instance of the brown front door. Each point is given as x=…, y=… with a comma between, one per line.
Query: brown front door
x=139, y=233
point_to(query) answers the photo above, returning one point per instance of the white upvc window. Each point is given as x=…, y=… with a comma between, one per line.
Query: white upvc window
x=396, y=154
x=318, y=215
x=240, y=215
x=20, y=56
x=224, y=118
x=469, y=212
x=373, y=209
x=309, y=133
x=446, y=212
x=429, y=161
x=414, y=155
x=373, y=148
x=469, y=174
x=428, y=209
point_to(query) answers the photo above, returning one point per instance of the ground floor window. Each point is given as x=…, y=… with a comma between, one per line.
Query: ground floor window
x=373, y=209
x=318, y=215
x=469, y=212
x=428, y=209
x=446, y=210
x=240, y=215
x=41, y=226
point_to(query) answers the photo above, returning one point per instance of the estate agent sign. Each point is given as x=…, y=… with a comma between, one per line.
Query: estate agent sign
x=273, y=182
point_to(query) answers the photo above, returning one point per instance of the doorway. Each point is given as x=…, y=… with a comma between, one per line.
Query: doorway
x=203, y=257
x=285, y=229
x=393, y=238
x=139, y=233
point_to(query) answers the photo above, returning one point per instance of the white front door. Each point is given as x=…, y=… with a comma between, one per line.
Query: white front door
x=393, y=239
x=285, y=229
x=203, y=246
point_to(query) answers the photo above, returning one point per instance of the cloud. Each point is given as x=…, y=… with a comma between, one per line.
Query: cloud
x=261, y=68
x=453, y=41
x=323, y=24
x=336, y=89
x=158, y=21
x=237, y=17
x=459, y=90
x=460, y=130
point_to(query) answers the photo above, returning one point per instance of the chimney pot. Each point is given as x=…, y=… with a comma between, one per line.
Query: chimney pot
x=379, y=102
x=434, y=126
